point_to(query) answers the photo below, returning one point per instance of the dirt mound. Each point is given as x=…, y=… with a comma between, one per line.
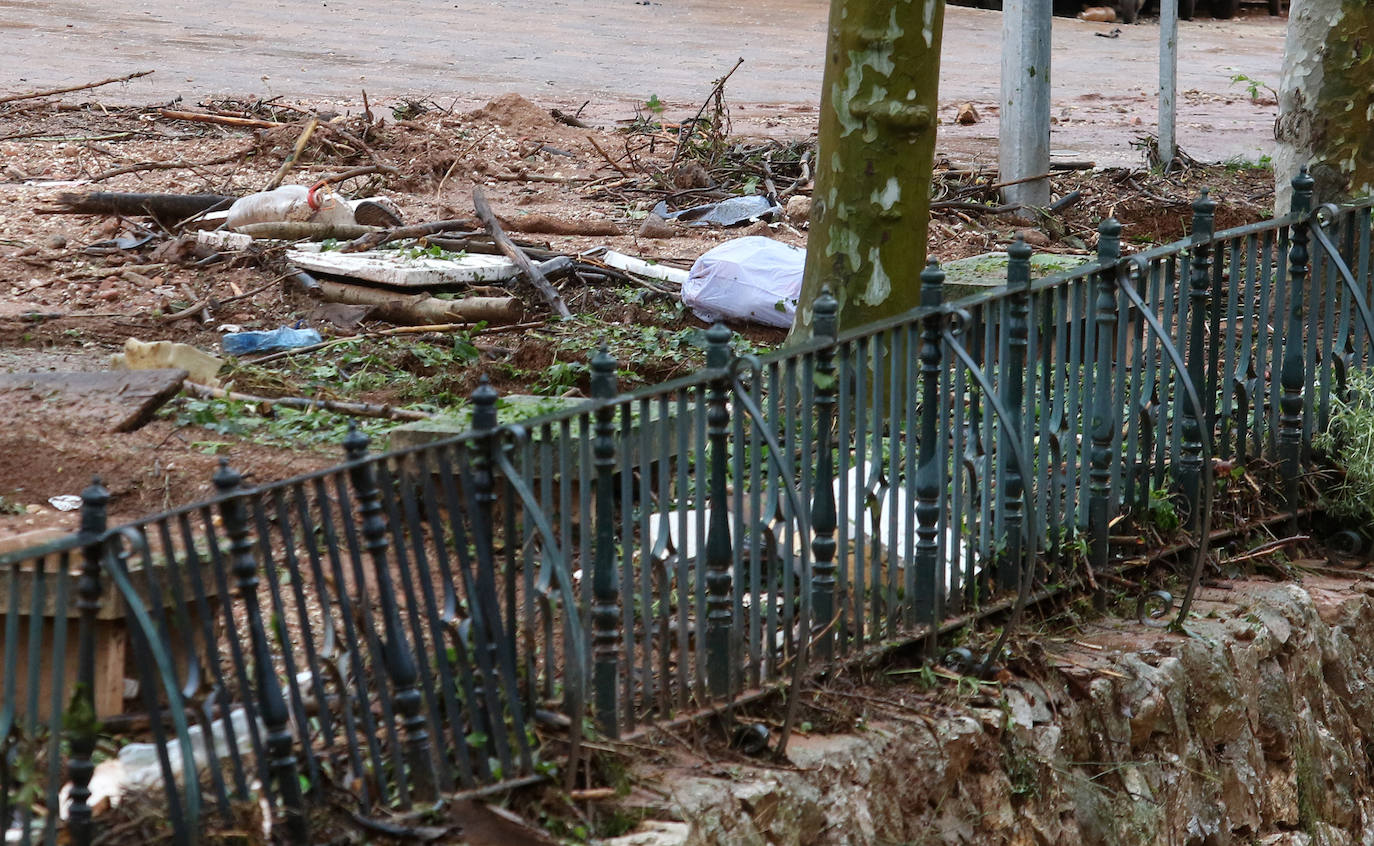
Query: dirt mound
x=517, y=115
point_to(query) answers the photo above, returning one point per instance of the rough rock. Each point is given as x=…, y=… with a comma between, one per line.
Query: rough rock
x=1255, y=727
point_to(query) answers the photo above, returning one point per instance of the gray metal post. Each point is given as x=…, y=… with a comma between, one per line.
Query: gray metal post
x=1024, y=149
x=1168, y=79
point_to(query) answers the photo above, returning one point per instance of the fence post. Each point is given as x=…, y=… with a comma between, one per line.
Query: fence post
x=485, y=419
x=719, y=556
x=81, y=722
x=928, y=476
x=396, y=652
x=1018, y=283
x=605, y=591
x=825, y=324
x=1104, y=419
x=1293, y=376
x=1199, y=299
x=271, y=703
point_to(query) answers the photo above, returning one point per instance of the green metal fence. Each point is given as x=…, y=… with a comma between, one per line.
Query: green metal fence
x=399, y=623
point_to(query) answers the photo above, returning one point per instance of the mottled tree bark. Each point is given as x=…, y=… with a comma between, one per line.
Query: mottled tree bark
x=871, y=204
x=1326, y=100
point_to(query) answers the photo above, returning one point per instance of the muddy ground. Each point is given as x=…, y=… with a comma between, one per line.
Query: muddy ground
x=70, y=303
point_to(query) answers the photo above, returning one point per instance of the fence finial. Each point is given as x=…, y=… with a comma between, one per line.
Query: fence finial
x=484, y=399
x=1109, y=240
x=1204, y=216
x=603, y=373
x=932, y=284
x=1303, y=184
x=718, y=345
x=355, y=442
x=826, y=314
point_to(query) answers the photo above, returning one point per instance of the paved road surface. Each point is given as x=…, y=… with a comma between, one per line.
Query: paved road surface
x=617, y=52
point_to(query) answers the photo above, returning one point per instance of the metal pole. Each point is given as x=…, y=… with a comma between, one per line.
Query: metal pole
x=1025, y=122
x=1168, y=79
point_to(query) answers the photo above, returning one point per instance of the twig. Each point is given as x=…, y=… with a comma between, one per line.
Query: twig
x=609, y=160
x=51, y=91
x=225, y=120
x=258, y=290
x=570, y=120
x=715, y=89
x=963, y=205
x=1010, y=182
x=399, y=330
x=295, y=154
x=415, y=230
x=1266, y=548
x=362, y=170
x=357, y=409
x=189, y=311
x=515, y=254
x=177, y=165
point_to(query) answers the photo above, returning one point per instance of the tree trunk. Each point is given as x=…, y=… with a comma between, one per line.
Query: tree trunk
x=1326, y=100
x=871, y=205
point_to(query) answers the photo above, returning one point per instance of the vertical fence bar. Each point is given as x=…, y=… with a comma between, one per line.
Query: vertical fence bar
x=1013, y=387
x=1104, y=420
x=719, y=622
x=928, y=475
x=1294, y=373
x=606, y=595
x=272, y=704
x=396, y=651
x=82, y=726
x=823, y=521
x=1193, y=419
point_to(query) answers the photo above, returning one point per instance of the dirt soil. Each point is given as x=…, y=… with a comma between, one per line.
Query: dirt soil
x=70, y=300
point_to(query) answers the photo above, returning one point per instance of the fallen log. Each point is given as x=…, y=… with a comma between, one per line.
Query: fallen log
x=166, y=208
x=304, y=230
x=422, y=308
x=517, y=255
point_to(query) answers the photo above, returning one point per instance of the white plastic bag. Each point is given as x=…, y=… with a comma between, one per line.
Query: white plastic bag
x=752, y=278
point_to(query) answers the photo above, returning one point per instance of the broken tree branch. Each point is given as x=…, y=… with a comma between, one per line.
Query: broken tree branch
x=223, y=120
x=32, y=95
x=472, y=328
x=415, y=230
x=178, y=165
x=515, y=254
x=363, y=170
x=356, y=409
x=294, y=155
x=715, y=89
x=422, y=308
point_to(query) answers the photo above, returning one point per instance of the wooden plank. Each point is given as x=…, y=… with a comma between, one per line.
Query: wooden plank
x=126, y=399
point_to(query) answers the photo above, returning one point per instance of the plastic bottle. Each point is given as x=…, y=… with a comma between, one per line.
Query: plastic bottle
x=290, y=203
x=285, y=338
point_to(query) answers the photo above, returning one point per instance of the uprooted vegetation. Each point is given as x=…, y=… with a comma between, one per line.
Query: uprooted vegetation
x=80, y=285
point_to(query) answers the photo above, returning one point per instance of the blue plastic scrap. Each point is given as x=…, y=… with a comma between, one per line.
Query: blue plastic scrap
x=285, y=338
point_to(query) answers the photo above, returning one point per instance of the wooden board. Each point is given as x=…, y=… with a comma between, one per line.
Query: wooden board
x=126, y=399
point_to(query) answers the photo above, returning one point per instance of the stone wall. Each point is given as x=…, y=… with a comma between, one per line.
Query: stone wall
x=1255, y=728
